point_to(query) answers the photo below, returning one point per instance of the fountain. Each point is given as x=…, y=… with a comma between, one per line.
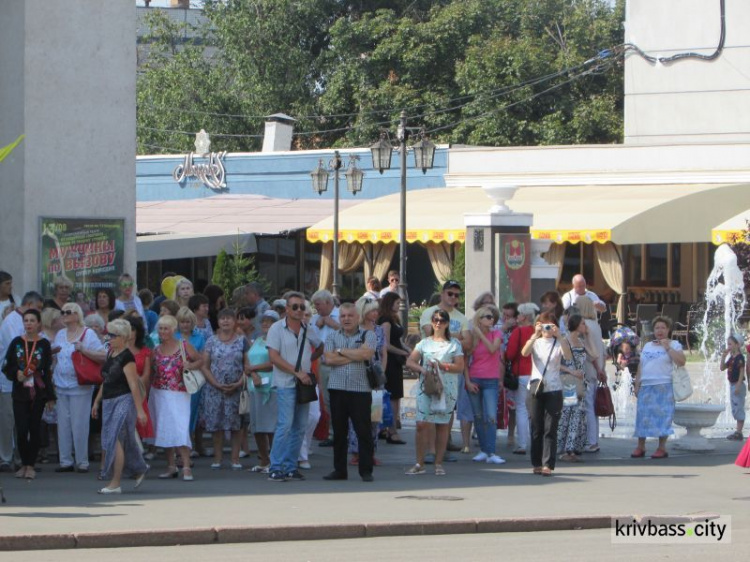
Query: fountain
x=725, y=301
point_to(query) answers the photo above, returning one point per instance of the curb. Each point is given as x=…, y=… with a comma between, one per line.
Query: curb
x=273, y=533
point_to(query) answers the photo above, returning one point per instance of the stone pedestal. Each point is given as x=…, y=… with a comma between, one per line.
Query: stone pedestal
x=68, y=84
x=498, y=250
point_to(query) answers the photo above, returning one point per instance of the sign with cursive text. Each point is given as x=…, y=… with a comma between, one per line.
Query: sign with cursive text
x=211, y=173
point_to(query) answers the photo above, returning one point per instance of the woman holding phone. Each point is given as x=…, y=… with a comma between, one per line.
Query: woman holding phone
x=547, y=348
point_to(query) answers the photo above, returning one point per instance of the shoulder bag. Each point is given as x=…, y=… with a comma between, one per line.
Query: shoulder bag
x=374, y=372
x=603, y=405
x=244, y=397
x=510, y=380
x=87, y=370
x=432, y=384
x=306, y=393
x=540, y=387
x=194, y=379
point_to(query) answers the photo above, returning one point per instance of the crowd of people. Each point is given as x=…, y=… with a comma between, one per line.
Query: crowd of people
x=181, y=365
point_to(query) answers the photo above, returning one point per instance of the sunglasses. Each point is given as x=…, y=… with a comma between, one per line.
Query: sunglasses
x=127, y=284
x=453, y=294
x=296, y=307
x=439, y=321
x=488, y=317
x=67, y=312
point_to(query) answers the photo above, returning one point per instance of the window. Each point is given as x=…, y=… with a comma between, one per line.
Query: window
x=579, y=258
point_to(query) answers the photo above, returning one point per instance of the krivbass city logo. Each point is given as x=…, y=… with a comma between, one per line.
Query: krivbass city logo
x=706, y=529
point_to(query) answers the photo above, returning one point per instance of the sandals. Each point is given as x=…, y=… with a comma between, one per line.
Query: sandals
x=537, y=470
x=439, y=471
x=547, y=471
x=660, y=454
x=736, y=436
x=416, y=470
x=638, y=454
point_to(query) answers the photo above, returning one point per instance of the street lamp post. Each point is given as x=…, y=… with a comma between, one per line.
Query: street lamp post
x=424, y=155
x=354, y=176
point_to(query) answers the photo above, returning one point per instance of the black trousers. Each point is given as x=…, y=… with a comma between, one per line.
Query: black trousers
x=544, y=416
x=28, y=416
x=355, y=406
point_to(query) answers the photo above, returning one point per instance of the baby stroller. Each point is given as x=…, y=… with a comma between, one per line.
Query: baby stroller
x=621, y=358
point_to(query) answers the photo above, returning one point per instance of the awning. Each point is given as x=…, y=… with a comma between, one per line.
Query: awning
x=203, y=227
x=632, y=214
x=731, y=230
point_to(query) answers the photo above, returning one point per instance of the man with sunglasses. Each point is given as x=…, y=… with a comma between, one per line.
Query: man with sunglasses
x=459, y=329
x=285, y=340
x=12, y=326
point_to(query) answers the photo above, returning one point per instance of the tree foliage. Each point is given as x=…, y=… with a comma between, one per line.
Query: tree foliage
x=232, y=271
x=469, y=70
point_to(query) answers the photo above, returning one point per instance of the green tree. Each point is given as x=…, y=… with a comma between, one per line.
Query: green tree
x=235, y=270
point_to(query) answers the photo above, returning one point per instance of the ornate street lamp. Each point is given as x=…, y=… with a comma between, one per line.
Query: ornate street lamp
x=424, y=155
x=354, y=177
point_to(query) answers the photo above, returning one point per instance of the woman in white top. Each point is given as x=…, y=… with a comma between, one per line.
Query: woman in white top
x=546, y=347
x=653, y=388
x=74, y=400
x=593, y=371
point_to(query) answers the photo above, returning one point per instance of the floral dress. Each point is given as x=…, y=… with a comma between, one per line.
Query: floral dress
x=429, y=409
x=571, y=435
x=219, y=412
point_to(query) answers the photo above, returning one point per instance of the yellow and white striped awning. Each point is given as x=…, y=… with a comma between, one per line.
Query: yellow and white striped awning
x=732, y=230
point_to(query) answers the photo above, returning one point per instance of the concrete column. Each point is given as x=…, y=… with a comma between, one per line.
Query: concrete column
x=69, y=86
x=494, y=261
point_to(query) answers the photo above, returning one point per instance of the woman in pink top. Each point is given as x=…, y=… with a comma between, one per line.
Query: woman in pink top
x=482, y=380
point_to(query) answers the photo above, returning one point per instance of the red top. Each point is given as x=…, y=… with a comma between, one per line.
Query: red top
x=518, y=338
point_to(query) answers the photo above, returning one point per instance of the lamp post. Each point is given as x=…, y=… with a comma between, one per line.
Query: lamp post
x=354, y=176
x=424, y=156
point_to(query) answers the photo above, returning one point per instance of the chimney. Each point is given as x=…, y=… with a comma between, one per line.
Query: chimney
x=278, y=134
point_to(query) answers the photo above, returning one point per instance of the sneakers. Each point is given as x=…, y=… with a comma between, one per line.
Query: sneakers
x=304, y=465
x=481, y=457
x=415, y=470
x=263, y=469
x=106, y=491
x=276, y=476
x=494, y=459
x=295, y=475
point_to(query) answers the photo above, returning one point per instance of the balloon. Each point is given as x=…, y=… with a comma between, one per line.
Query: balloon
x=169, y=286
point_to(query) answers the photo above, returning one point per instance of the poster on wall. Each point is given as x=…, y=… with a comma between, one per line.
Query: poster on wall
x=514, y=268
x=89, y=252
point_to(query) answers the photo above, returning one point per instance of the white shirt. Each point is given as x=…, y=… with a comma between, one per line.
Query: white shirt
x=656, y=364
x=570, y=298
x=543, y=349
x=326, y=330
x=64, y=374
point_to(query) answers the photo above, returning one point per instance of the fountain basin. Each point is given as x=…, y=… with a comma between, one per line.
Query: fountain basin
x=695, y=417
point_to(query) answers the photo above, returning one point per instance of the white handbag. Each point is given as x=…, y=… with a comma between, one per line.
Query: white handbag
x=682, y=388
x=194, y=379
x=244, y=397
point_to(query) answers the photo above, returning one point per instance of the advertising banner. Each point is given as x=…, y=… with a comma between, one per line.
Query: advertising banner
x=89, y=252
x=514, y=265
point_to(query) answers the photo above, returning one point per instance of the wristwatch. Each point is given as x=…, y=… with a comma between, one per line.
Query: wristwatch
x=338, y=352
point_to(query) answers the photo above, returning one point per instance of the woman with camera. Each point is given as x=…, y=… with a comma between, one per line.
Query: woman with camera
x=547, y=348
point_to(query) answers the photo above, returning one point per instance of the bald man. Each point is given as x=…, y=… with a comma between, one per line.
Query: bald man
x=579, y=290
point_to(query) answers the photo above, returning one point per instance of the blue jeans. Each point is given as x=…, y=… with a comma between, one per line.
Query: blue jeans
x=290, y=430
x=484, y=406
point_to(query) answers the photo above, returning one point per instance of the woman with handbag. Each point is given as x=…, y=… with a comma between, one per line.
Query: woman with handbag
x=187, y=324
x=28, y=364
x=593, y=371
x=393, y=332
x=122, y=405
x=653, y=388
x=169, y=401
x=225, y=362
x=546, y=348
x=443, y=353
x=483, y=381
x=571, y=437
x=73, y=399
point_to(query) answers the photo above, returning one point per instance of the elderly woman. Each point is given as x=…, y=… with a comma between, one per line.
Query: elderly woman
x=74, y=400
x=546, y=348
x=169, y=401
x=94, y=322
x=183, y=291
x=28, y=364
x=128, y=299
x=520, y=367
x=594, y=371
x=444, y=353
x=653, y=388
x=121, y=401
x=264, y=410
x=60, y=293
x=225, y=362
x=188, y=331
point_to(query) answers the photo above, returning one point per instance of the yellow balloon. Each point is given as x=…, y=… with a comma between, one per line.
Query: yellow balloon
x=169, y=286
